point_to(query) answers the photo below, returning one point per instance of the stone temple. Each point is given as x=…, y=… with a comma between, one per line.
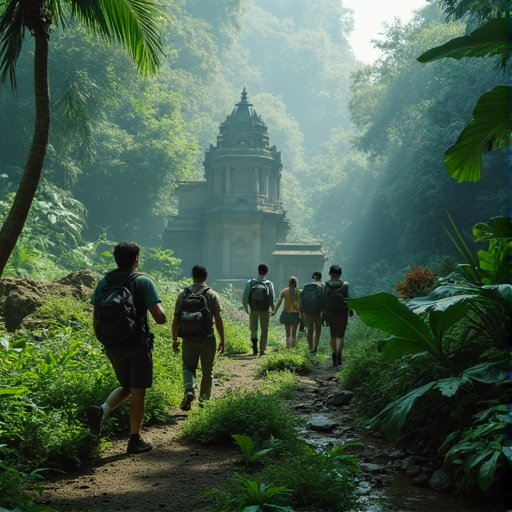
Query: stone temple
x=233, y=219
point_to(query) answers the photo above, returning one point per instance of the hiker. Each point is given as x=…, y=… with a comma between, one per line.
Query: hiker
x=259, y=297
x=310, y=302
x=131, y=358
x=196, y=312
x=290, y=317
x=335, y=312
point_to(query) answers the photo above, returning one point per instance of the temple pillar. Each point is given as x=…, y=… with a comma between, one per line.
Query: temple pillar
x=227, y=182
x=226, y=253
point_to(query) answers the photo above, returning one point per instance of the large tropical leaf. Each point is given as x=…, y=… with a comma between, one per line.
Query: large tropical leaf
x=133, y=23
x=495, y=228
x=394, y=347
x=385, y=312
x=445, y=313
x=450, y=386
x=490, y=127
x=488, y=373
x=392, y=418
x=491, y=38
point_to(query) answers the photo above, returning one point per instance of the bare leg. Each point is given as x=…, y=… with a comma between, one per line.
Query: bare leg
x=114, y=400
x=287, y=332
x=293, y=335
x=137, y=409
x=340, y=343
x=317, y=341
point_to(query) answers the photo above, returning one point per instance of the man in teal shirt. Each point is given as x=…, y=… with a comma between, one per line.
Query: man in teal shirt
x=132, y=362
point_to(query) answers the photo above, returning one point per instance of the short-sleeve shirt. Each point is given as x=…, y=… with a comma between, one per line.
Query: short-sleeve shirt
x=213, y=298
x=145, y=294
x=212, y=295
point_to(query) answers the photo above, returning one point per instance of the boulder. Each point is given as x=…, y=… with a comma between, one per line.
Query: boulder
x=440, y=481
x=20, y=297
x=340, y=398
x=322, y=424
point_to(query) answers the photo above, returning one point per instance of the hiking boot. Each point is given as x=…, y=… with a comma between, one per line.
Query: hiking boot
x=138, y=445
x=187, y=401
x=94, y=418
x=338, y=359
x=254, y=347
x=334, y=359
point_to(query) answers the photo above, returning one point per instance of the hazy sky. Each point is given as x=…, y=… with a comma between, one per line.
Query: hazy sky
x=369, y=16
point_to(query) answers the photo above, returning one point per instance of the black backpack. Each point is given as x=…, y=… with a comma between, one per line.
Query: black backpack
x=260, y=298
x=311, y=299
x=115, y=318
x=335, y=297
x=195, y=318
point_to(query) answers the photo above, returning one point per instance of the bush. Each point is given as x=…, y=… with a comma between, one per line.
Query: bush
x=296, y=360
x=374, y=381
x=253, y=414
x=318, y=482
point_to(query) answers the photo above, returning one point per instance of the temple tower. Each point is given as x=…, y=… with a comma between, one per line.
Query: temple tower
x=234, y=219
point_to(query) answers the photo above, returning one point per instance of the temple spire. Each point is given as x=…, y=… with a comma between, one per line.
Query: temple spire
x=244, y=96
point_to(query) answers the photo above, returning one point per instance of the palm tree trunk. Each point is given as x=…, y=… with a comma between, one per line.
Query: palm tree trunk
x=15, y=221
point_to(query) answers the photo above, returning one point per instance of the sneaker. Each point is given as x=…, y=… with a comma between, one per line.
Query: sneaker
x=138, y=445
x=187, y=401
x=95, y=418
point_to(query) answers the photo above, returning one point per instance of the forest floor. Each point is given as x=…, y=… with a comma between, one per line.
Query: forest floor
x=173, y=475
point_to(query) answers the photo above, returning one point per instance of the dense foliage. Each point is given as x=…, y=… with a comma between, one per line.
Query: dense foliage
x=366, y=150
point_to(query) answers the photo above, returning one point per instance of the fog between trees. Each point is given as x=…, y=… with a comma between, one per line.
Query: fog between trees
x=362, y=146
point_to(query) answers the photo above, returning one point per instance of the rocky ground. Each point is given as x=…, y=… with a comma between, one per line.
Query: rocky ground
x=173, y=475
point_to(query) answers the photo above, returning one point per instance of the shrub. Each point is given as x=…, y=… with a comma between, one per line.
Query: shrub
x=296, y=360
x=280, y=384
x=374, y=381
x=242, y=412
x=419, y=282
x=319, y=481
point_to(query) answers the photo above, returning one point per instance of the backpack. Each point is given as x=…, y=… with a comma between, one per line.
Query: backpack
x=260, y=298
x=195, y=318
x=335, y=297
x=115, y=319
x=311, y=299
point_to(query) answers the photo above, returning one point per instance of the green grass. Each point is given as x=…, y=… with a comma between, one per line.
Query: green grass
x=257, y=415
x=296, y=360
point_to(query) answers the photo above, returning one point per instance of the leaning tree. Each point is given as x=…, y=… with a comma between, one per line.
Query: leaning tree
x=132, y=23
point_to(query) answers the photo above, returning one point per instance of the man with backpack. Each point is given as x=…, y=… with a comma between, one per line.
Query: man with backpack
x=259, y=297
x=120, y=303
x=196, y=312
x=335, y=311
x=311, y=302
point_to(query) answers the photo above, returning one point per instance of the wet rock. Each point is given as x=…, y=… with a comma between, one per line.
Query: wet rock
x=407, y=462
x=413, y=471
x=322, y=424
x=440, y=481
x=421, y=480
x=396, y=454
x=340, y=398
x=368, y=467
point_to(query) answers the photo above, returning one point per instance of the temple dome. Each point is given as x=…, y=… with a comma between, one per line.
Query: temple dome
x=243, y=128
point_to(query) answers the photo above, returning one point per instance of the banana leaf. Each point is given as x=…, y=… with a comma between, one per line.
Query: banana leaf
x=491, y=38
x=392, y=418
x=385, y=312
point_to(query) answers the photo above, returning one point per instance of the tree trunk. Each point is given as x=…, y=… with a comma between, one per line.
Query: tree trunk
x=15, y=221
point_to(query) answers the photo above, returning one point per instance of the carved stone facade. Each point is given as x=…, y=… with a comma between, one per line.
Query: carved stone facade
x=234, y=219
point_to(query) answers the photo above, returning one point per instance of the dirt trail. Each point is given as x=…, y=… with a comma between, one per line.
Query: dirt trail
x=172, y=476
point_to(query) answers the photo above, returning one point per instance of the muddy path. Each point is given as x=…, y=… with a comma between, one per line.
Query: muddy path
x=174, y=474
